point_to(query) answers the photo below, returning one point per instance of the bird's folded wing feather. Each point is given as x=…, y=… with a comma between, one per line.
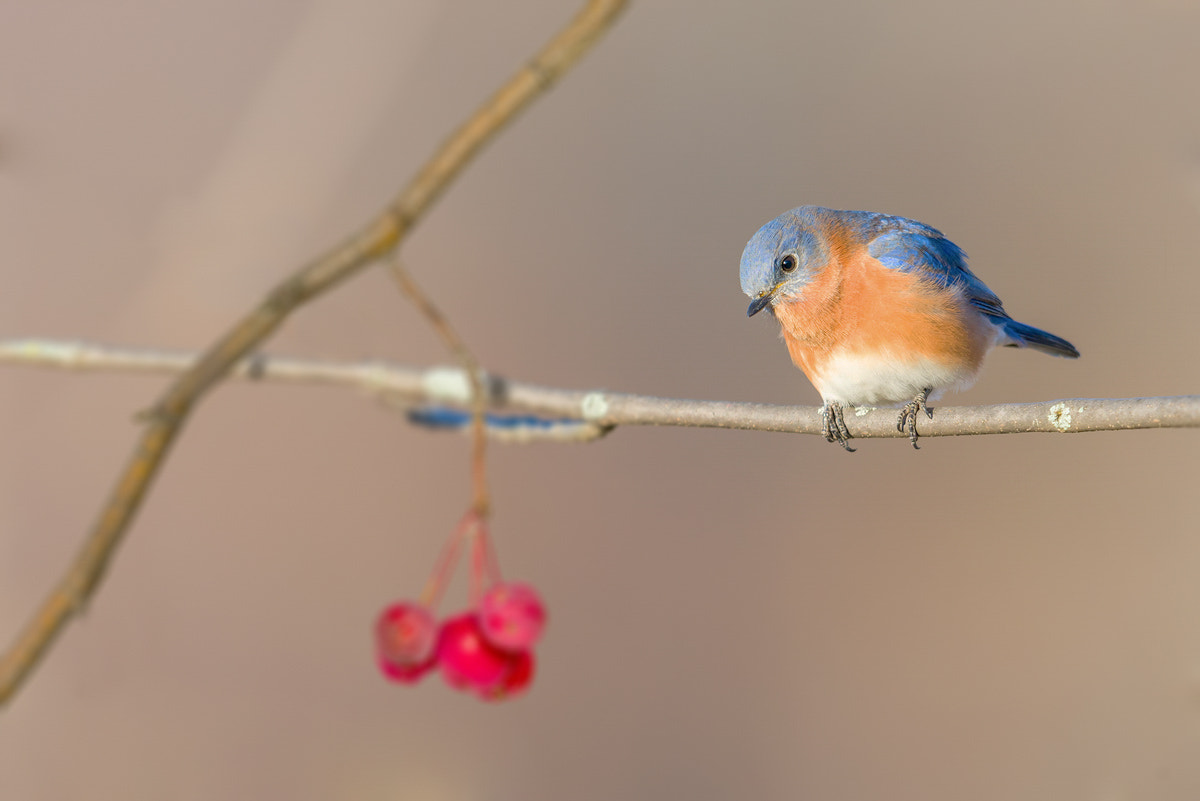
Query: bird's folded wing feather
x=902, y=244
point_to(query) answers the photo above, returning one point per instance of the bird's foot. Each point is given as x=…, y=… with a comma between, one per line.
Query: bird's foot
x=833, y=425
x=908, y=415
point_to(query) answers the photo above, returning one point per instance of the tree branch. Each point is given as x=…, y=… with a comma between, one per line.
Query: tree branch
x=377, y=238
x=600, y=411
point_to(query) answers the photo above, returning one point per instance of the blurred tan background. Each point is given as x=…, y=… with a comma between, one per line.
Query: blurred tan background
x=733, y=615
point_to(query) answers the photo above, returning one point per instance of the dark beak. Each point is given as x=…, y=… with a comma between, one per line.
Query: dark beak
x=758, y=304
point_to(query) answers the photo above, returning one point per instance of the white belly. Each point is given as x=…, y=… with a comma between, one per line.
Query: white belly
x=858, y=380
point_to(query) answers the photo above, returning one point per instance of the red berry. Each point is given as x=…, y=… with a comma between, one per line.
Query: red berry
x=405, y=674
x=468, y=661
x=518, y=678
x=404, y=639
x=512, y=616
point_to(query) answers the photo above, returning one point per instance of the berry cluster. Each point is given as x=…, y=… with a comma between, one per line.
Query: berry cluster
x=486, y=650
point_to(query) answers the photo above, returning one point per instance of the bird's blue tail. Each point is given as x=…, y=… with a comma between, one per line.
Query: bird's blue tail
x=1026, y=336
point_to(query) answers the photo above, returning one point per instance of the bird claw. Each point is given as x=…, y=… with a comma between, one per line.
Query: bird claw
x=833, y=425
x=908, y=415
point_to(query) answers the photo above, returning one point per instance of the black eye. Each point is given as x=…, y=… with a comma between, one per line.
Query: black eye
x=788, y=263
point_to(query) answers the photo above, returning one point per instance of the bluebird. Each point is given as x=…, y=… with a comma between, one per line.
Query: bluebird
x=878, y=310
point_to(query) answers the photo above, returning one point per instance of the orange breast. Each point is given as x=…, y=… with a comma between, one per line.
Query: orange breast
x=856, y=306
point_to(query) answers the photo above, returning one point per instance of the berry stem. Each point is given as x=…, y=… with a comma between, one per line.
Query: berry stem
x=491, y=565
x=447, y=559
x=481, y=498
x=477, y=567
x=485, y=571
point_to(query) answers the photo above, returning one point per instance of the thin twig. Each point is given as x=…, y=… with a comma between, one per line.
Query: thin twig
x=377, y=238
x=447, y=386
x=481, y=500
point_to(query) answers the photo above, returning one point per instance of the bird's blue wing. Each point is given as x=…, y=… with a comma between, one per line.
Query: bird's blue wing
x=902, y=244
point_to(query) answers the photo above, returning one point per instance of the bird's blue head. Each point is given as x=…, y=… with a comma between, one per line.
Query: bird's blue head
x=783, y=257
